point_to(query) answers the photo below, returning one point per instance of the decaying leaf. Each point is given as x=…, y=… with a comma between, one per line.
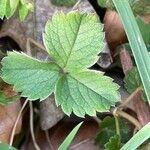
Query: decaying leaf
x=8, y=115
x=114, y=29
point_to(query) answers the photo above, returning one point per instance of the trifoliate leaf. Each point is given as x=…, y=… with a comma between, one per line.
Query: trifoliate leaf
x=86, y=92
x=7, y=100
x=109, y=129
x=3, y=5
x=34, y=78
x=74, y=40
x=114, y=143
x=4, y=146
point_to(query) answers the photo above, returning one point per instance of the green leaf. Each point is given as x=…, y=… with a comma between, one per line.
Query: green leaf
x=139, y=138
x=3, y=5
x=8, y=8
x=4, y=146
x=34, y=78
x=74, y=48
x=70, y=137
x=86, y=92
x=109, y=130
x=114, y=143
x=11, y=7
x=24, y=8
x=132, y=80
x=74, y=40
x=7, y=100
x=145, y=29
x=137, y=44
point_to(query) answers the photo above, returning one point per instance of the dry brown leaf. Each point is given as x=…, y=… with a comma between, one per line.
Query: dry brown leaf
x=8, y=115
x=83, y=140
x=114, y=29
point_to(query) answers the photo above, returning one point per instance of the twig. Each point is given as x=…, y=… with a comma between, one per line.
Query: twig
x=117, y=125
x=124, y=102
x=48, y=140
x=126, y=60
x=16, y=122
x=76, y=5
x=130, y=118
x=97, y=120
x=116, y=122
x=28, y=46
x=32, y=127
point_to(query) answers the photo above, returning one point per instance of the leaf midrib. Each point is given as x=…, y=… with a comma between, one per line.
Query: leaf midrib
x=75, y=38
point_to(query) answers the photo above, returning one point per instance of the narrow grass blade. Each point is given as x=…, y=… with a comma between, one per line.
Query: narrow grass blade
x=137, y=44
x=138, y=138
x=70, y=137
x=4, y=146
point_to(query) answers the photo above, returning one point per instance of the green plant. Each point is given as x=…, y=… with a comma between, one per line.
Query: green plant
x=133, y=81
x=142, y=60
x=4, y=146
x=108, y=134
x=8, y=8
x=137, y=44
x=6, y=100
x=73, y=42
x=140, y=137
x=69, y=138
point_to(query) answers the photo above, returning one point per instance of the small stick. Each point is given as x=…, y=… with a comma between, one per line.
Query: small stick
x=16, y=122
x=48, y=140
x=124, y=102
x=130, y=118
x=32, y=127
x=97, y=120
x=76, y=5
x=117, y=125
x=28, y=46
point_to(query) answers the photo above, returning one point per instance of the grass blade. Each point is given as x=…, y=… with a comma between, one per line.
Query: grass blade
x=138, y=138
x=137, y=44
x=70, y=137
x=4, y=146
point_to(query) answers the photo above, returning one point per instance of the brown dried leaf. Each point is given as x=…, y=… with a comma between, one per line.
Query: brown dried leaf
x=8, y=115
x=115, y=34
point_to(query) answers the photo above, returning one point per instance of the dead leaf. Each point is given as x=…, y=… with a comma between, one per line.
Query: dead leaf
x=115, y=34
x=8, y=115
x=83, y=140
